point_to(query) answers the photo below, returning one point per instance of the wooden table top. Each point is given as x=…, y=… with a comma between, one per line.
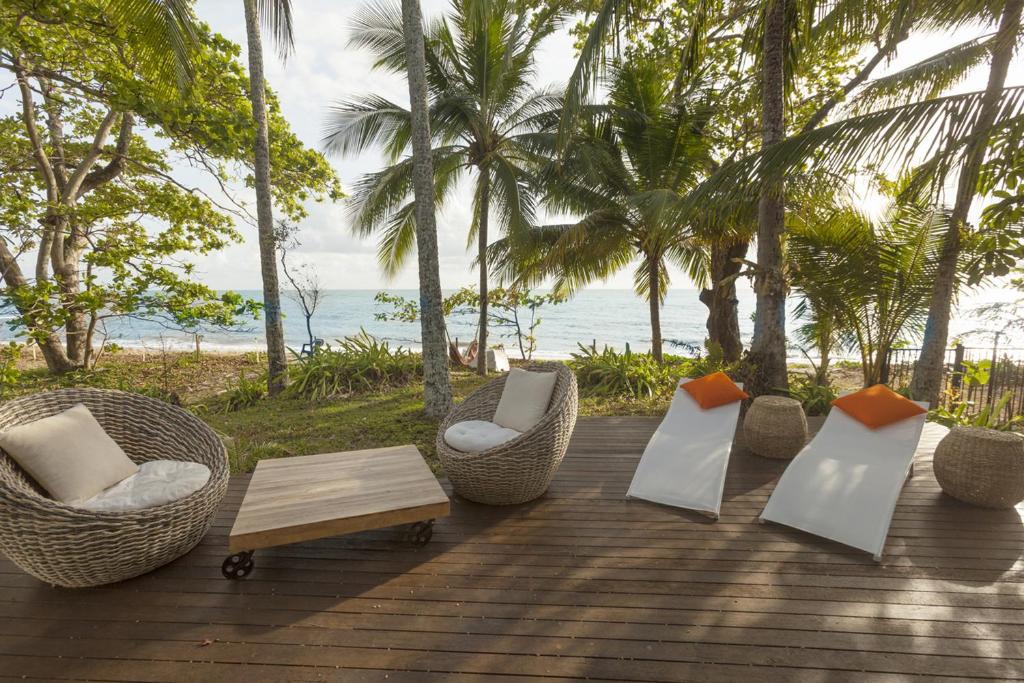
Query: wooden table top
x=314, y=496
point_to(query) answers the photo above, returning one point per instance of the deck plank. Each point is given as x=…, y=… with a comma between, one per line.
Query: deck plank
x=579, y=584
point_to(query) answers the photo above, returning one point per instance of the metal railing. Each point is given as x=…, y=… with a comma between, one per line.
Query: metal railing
x=1005, y=373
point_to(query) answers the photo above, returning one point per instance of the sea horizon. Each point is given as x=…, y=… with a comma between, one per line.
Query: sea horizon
x=605, y=317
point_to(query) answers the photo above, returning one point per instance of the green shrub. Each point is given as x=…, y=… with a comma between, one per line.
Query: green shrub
x=247, y=393
x=638, y=375
x=815, y=398
x=9, y=373
x=990, y=417
x=359, y=363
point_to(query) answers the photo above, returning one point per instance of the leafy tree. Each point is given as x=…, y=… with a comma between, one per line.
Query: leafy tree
x=504, y=311
x=98, y=212
x=437, y=390
x=485, y=115
x=632, y=162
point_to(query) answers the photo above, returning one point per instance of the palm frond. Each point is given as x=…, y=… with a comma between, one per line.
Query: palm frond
x=940, y=128
x=168, y=33
x=276, y=16
x=356, y=124
x=927, y=79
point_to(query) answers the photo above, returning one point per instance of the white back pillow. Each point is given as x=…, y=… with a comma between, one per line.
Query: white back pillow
x=68, y=454
x=525, y=399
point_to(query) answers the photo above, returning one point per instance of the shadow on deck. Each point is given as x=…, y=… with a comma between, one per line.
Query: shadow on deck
x=578, y=584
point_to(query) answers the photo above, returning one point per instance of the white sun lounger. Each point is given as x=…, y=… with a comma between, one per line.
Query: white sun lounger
x=685, y=461
x=845, y=483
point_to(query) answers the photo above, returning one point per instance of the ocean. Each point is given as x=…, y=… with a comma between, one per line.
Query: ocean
x=603, y=316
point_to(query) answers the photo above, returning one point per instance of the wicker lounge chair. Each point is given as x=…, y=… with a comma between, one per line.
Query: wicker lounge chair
x=72, y=547
x=519, y=470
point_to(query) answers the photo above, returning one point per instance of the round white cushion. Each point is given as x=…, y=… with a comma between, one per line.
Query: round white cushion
x=157, y=482
x=475, y=436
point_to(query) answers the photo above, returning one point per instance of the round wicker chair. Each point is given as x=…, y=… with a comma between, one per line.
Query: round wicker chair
x=71, y=547
x=519, y=470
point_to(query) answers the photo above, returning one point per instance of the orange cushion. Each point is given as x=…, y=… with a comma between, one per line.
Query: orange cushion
x=877, y=406
x=714, y=390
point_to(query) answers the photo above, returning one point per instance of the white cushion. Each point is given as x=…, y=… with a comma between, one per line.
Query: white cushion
x=68, y=454
x=476, y=436
x=156, y=483
x=525, y=399
x=497, y=361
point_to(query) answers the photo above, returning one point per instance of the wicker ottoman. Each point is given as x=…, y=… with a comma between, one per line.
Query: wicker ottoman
x=775, y=427
x=981, y=466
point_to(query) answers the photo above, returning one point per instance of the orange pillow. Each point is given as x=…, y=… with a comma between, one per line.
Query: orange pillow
x=877, y=406
x=714, y=390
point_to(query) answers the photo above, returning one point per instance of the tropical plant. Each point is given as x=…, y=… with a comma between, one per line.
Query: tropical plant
x=866, y=281
x=97, y=168
x=612, y=373
x=927, y=379
x=992, y=416
x=359, y=363
x=437, y=390
x=485, y=114
x=632, y=163
x=816, y=398
x=246, y=393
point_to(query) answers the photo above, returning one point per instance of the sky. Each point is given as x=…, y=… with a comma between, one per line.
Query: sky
x=323, y=70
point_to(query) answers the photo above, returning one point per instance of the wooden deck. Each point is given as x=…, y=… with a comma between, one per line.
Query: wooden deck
x=579, y=584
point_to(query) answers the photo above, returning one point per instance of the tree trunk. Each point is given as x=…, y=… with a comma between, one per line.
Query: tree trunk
x=723, y=313
x=276, y=352
x=485, y=200
x=768, y=347
x=654, y=296
x=927, y=381
x=437, y=390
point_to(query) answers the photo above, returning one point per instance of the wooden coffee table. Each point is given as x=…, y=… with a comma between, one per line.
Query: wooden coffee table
x=290, y=500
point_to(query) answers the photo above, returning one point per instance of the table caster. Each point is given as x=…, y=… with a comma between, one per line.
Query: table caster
x=420, y=533
x=238, y=565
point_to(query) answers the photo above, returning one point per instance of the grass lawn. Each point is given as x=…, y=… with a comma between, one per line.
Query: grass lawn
x=279, y=427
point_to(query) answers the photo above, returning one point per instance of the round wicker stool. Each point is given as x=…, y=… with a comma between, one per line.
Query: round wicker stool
x=775, y=427
x=981, y=466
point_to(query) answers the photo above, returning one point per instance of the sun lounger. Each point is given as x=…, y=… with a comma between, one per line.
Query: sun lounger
x=845, y=483
x=685, y=461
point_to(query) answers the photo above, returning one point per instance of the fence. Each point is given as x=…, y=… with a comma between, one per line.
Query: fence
x=1006, y=373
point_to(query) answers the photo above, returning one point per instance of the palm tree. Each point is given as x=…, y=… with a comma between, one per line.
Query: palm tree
x=862, y=283
x=485, y=115
x=768, y=346
x=927, y=380
x=437, y=390
x=276, y=14
x=631, y=164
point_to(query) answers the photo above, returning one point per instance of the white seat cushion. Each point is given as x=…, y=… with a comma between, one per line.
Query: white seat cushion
x=524, y=399
x=157, y=482
x=476, y=436
x=68, y=454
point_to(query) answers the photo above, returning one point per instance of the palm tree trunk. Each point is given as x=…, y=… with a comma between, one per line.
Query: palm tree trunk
x=927, y=380
x=276, y=353
x=654, y=296
x=723, y=314
x=437, y=389
x=768, y=347
x=485, y=200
